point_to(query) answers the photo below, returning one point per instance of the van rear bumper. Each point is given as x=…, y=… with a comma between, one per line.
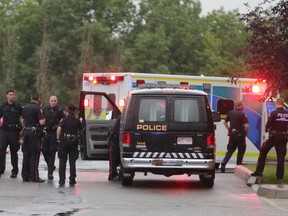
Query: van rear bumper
x=140, y=163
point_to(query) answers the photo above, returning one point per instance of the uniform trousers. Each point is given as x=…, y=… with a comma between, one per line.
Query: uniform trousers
x=279, y=142
x=31, y=148
x=11, y=138
x=235, y=142
x=114, y=159
x=67, y=149
x=49, y=149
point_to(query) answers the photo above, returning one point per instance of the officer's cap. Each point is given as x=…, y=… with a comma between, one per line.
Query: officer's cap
x=71, y=107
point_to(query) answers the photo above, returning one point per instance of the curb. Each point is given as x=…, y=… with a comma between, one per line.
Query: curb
x=263, y=190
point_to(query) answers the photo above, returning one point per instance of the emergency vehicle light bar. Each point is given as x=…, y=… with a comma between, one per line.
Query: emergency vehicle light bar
x=106, y=80
x=252, y=89
x=164, y=85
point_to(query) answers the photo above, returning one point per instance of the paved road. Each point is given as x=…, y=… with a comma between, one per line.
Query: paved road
x=149, y=195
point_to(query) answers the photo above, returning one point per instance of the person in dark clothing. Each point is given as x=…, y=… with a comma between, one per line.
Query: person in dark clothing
x=237, y=132
x=277, y=127
x=68, y=134
x=114, y=158
x=33, y=119
x=11, y=112
x=53, y=114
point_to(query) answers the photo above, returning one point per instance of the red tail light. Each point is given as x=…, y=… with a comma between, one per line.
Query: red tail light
x=126, y=139
x=211, y=140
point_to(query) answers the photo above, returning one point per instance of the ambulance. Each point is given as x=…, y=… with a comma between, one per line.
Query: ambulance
x=103, y=97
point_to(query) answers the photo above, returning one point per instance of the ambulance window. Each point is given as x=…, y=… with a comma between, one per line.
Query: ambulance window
x=152, y=110
x=224, y=106
x=97, y=107
x=186, y=110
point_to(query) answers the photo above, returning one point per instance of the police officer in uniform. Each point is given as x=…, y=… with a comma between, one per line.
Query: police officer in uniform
x=33, y=119
x=53, y=114
x=68, y=134
x=11, y=112
x=237, y=131
x=277, y=127
x=114, y=159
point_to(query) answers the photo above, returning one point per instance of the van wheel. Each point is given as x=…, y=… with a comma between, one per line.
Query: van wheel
x=127, y=181
x=207, y=180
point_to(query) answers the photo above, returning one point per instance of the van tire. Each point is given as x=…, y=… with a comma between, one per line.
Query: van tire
x=127, y=181
x=208, y=182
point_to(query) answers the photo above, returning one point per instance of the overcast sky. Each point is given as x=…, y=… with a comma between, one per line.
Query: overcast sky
x=228, y=5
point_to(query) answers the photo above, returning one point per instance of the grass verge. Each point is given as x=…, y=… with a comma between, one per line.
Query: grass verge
x=269, y=174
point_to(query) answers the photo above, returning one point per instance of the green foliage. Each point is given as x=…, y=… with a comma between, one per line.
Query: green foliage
x=267, y=50
x=269, y=174
x=47, y=45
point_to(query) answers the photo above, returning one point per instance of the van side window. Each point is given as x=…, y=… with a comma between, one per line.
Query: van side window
x=186, y=110
x=152, y=110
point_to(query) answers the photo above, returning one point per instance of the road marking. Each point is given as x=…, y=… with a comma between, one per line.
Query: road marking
x=270, y=202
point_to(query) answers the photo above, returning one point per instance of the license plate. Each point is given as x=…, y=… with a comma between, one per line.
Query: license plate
x=157, y=162
x=184, y=140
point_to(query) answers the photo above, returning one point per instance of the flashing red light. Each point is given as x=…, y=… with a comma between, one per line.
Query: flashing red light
x=91, y=78
x=113, y=78
x=122, y=102
x=184, y=83
x=86, y=102
x=126, y=138
x=255, y=89
x=140, y=82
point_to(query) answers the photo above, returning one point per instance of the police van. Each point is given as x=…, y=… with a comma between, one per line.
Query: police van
x=222, y=92
x=168, y=131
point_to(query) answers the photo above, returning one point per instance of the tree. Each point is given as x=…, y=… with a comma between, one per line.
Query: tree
x=223, y=38
x=267, y=49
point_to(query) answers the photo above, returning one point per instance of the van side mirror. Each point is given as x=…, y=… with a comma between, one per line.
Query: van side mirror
x=216, y=116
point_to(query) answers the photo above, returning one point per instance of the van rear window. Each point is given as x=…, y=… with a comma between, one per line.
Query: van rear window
x=186, y=110
x=152, y=110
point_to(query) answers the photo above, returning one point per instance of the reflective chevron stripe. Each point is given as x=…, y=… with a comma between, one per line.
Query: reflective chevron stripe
x=176, y=155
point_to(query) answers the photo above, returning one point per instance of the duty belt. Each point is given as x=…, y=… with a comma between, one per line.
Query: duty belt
x=280, y=133
x=12, y=127
x=236, y=132
x=70, y=137
x=51, y=128
x=30, y=128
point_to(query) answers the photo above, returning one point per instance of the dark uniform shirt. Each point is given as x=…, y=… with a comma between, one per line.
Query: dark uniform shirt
x=70, y=125
x=32, y=114
x=11, y=113
x=52, y=116
x=237, y=119
x=277, y=121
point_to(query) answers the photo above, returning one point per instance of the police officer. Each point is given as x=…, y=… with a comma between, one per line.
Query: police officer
x=11, y=112
x=68, y=134
x=237, y=131
x=53, y=114
x=277, y=127
x=114, y=159
x=33, y=119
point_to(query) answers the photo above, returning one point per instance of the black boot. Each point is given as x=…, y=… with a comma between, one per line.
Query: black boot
x=222, y=168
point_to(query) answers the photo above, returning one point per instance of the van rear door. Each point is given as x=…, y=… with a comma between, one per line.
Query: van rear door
x=99, y=113
x=178, y=128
